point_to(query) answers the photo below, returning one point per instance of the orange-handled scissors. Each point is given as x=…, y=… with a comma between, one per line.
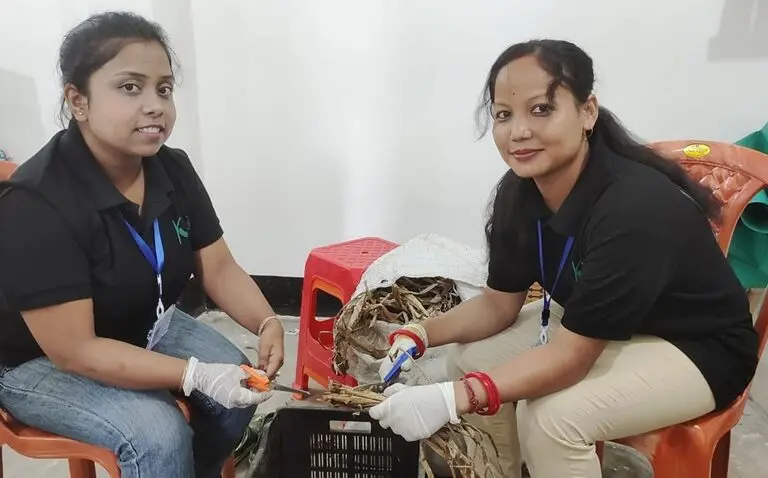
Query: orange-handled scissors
x=259, y=381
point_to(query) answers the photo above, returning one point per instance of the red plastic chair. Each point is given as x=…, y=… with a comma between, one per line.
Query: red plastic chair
x=336, y=270
x=701, y=448
x=34, y=443
x=82, y=458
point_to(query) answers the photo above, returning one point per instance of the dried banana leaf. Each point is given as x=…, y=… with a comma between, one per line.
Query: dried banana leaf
x=450, y=442
x=407, y=300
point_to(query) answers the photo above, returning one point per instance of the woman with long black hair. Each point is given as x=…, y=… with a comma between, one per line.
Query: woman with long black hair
x=649, y=325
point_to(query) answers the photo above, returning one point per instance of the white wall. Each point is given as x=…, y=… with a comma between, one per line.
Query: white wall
x=28, y=88
x=327, y=120
x=315, y=122
x=30, y=36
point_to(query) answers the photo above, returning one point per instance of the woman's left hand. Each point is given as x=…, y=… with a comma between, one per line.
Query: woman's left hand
x=271, y=351
x=416, y=413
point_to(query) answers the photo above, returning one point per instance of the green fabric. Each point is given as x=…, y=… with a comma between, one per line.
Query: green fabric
x=748, y=253
x=757, y=140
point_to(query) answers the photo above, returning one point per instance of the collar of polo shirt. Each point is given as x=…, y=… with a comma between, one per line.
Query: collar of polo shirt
x=100, y=188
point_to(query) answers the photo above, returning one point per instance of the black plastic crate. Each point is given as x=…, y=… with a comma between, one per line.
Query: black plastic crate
x=317, y=442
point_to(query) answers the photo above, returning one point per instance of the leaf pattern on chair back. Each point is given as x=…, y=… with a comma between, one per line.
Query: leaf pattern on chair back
x=724, y=181
x=727, y=183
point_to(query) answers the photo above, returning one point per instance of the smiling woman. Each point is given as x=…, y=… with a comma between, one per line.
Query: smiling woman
x=122, y=97
x=649, y=325
x=92, y=345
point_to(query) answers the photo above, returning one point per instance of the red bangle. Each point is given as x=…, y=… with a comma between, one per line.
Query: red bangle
x=413, y=336
x=491, y=393
x=473, y=401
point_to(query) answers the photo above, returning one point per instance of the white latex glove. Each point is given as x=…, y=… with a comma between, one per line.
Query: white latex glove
x=399, y=346
x=416, y=413
x=223, y=383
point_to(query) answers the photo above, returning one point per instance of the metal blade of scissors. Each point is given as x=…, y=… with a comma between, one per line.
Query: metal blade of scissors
x=283, y=388
x=260, y=382
x=372, y=387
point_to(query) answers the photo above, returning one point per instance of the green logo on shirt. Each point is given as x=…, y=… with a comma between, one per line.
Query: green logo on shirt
x=180, y=231
x=576, y=270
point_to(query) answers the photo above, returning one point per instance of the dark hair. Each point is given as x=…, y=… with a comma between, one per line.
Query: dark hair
x=569, y=66
x=97, y=40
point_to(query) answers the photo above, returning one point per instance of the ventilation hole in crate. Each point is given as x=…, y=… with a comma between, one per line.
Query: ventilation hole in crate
x=363, y=456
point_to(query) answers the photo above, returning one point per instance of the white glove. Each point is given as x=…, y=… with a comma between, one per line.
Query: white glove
x=222, y=382
x=400, y=345
x=416, y=413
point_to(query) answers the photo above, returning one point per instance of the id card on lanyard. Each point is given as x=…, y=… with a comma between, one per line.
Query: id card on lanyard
x=544, y=334
x=157, y=261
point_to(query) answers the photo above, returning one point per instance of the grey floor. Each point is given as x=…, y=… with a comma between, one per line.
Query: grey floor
x=749, y=451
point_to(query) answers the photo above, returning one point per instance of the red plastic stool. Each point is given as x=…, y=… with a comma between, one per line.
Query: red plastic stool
x=336, y=270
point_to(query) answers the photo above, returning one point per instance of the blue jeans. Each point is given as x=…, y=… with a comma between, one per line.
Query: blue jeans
x=145, y=429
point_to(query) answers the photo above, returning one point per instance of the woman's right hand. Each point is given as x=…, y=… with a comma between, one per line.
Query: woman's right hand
x=222, y=382
x=402, y=340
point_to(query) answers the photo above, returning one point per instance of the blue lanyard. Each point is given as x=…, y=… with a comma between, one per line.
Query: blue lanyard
x=563, y=259
x=156, y=259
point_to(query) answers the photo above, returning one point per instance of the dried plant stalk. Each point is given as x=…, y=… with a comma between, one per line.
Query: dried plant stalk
x=407, y=300
x=450, y=442
x=345, y=396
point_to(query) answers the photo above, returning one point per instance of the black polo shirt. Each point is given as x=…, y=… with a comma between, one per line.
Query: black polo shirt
x=65, y=239
x=644, y=261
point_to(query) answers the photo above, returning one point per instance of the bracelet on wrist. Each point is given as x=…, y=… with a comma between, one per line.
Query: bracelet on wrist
x=264, y=323
x=474, y=403
x=413, y=336
x=420, y=331
x=491, y=393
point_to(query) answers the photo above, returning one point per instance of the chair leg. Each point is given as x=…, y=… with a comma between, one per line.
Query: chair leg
x=1, y=461
x=684, y=458
x=79, y=468
x=720, y=459
x=227, y=472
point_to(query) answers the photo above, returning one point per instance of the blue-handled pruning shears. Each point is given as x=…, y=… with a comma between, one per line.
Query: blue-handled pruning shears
x=397, y=365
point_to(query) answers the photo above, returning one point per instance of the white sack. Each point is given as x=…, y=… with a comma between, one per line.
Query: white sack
x=427, y=255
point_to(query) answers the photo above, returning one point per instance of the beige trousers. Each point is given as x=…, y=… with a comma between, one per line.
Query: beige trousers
x=635, y=387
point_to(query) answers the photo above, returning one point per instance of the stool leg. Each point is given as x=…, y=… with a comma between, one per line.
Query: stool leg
x=691, y=462
x=79, y=468
x=306, y=316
